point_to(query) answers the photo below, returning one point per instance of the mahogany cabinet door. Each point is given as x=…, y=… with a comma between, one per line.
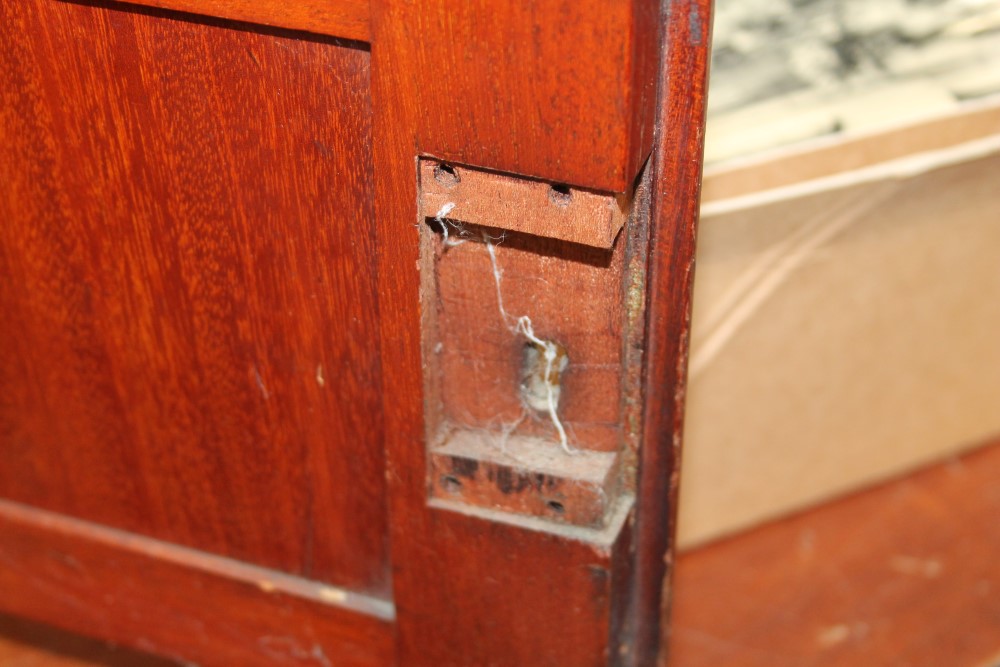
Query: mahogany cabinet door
x=347, y=333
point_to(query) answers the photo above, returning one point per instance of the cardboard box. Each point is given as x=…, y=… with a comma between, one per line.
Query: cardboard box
x=846, y=318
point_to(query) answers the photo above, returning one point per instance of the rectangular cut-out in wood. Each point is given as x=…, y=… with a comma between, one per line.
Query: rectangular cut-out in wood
x=524, y=205
x=491, y=265
x=525, y=475
x=574, y=297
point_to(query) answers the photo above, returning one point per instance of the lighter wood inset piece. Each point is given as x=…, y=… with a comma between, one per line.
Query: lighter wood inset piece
x=521, y=205
x=525, y=475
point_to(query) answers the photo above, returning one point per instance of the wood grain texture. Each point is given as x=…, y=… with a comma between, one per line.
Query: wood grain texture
x=188, y=347
x=675, y=197
x=468, y=590
x=574, y=295
x=24, y=643
x=238, y=242
x=522, y=205
x=528, y=476
x=175, y=602
x=347, y=19
x=903, y=574
x=561, y=91
x=446, y=560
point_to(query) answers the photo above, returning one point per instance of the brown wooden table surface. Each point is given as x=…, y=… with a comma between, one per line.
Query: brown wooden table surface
x=904, y=574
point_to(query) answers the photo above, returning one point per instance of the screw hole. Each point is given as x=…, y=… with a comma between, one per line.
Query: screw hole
x=446, y=175
x=451, y=484
x=560, y=194
x=556, y=506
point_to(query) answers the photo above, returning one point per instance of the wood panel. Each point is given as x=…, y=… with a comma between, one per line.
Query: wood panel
x=188, y=346
x=180, y=603
x=27, y=644
x=239, y=242
x=347, y=19
x=538, y=208
x=559, y=90
x=674, y=208
x=491, y=590
x=904, y=574
x=470, y=588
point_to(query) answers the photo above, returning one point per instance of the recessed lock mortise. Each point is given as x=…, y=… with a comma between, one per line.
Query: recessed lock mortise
x=524, y=325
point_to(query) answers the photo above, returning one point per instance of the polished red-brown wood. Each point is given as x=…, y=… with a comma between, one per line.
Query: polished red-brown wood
x=675, y=199
x=25, y=643
x=338, y=18
x=188, y=347
x=903, y=574
x=178, y=602
x=470, y=583
x=557, y=90
x=205, y=214
x=469, y=589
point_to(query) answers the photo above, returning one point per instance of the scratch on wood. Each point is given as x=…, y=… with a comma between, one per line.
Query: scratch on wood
x=280, y=648
x=260, y=383
x=696, y=26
